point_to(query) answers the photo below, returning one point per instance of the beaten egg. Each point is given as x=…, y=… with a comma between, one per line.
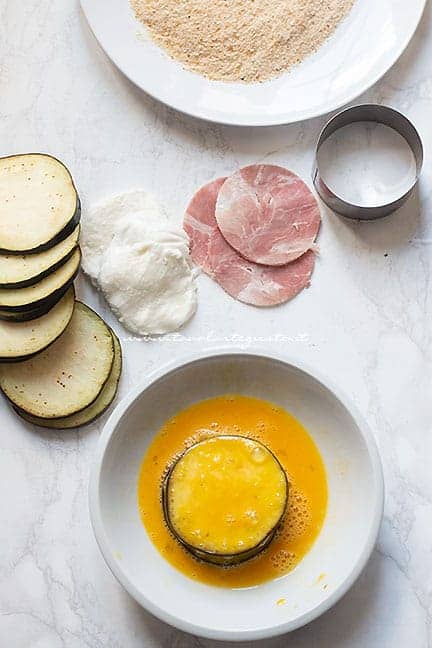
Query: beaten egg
x=224, y=498
x=215, y=425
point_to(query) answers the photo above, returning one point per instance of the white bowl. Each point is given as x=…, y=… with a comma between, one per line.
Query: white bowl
x=338, y=556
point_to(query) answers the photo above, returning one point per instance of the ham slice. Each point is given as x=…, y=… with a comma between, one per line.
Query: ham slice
x=268, y=214
x=248, y=282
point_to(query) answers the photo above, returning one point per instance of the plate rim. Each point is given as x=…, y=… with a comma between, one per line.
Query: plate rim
x=226, y=121
x=108, y=552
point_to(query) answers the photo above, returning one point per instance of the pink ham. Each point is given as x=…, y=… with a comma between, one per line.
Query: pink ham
x=268, y=214
x=248, y=282
x=200, y=224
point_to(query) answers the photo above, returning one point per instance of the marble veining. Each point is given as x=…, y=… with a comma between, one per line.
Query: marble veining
x=365, y=321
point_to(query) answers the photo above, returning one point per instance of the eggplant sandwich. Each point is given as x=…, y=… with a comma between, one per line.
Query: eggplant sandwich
x=224, y=499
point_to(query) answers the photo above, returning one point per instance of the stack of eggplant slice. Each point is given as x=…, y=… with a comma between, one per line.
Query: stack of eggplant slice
x=60, y=363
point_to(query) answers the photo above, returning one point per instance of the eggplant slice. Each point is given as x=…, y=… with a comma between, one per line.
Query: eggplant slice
x=24, y=316
x=18, y=271
x=27, y=315
x=21, y=340
x=225, y=498
x=46, y=290
x=93, y=411
x=69, y=375
x=39, y=204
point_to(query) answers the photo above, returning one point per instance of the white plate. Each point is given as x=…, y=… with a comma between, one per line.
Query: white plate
x=344, y=545
x=362, y=49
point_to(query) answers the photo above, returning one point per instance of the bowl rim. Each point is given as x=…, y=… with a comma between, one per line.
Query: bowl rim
x=108, y=553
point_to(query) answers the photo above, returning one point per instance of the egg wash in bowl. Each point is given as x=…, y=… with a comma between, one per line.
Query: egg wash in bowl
x=347, y=514
x=247, y=489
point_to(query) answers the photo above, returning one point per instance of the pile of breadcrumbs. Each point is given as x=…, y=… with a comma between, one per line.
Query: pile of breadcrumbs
x=240, y=40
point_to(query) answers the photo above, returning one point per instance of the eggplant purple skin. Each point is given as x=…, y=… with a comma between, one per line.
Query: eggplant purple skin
x=40, y=304
x=34, y=313
x=24, y=316
x=212, y=557
x=23, y=415
x=22, y=358
x=67, y=229
x=36, y=278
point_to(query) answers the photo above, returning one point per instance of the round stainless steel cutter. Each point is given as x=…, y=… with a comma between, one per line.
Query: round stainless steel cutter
x=367, y=113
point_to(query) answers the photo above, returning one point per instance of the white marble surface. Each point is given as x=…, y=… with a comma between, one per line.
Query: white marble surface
x=366, y=321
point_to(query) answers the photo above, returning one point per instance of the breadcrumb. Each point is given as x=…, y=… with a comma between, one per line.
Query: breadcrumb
x=240, y=40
